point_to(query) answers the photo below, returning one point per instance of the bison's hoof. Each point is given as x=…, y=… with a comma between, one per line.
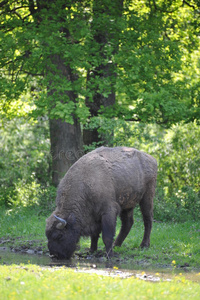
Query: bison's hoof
x=117, y=244
x=144, y=245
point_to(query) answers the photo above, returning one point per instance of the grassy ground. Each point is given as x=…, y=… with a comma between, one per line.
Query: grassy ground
x=175, y=246
x=33, y=282
x=170, y=242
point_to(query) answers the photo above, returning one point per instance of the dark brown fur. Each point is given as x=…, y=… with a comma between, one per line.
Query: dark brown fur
x=101, y=185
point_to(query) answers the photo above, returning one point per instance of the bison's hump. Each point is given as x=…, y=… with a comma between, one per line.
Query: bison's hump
x=104, y=167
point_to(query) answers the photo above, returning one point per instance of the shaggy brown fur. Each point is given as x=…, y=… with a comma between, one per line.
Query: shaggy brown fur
x=101, y=185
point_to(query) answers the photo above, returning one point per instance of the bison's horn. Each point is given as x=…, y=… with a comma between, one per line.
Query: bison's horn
x=62, y=223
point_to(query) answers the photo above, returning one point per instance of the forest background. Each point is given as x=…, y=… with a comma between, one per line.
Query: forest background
x=76, y=75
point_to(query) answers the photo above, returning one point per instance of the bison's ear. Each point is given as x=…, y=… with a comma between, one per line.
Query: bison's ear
x=71, y=219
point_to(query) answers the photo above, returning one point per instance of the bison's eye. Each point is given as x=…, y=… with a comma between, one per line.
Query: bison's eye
x=59, y=236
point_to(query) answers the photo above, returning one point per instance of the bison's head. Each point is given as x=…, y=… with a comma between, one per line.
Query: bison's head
x=62, y=236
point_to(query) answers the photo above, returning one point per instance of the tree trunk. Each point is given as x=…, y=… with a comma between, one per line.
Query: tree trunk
x=66, y=139
x=66, y=147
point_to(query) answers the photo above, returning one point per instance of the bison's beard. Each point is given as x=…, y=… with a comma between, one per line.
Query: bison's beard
x=62, y=245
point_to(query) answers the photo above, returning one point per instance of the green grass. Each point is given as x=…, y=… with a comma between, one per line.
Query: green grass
x=33, y=282
x=20, y=225
x=174, y=245
x=179, y=242
x=24, y=222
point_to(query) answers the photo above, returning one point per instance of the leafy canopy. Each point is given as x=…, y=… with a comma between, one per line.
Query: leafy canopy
x=48, y=50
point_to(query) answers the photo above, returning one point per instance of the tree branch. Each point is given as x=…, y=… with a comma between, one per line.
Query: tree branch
x=156, y=7
x=2, y=3
x=154, y=3
x=33, y=74
x=32, y=7
x=166, y=35
x=133, y=120
x=188, y=4
x=19, y=7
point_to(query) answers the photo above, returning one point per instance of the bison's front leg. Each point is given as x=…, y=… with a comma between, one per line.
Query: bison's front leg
x=108, y=224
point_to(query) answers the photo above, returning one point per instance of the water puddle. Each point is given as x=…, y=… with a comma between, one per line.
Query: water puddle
x=99, y=266
x=8, y=257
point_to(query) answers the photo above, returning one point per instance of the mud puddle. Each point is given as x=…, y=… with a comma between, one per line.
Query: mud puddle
x=99, y=266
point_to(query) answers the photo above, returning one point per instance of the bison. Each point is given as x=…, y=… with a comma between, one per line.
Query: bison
x=101, y=185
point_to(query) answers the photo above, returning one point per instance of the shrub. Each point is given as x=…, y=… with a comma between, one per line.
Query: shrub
x=24, y=160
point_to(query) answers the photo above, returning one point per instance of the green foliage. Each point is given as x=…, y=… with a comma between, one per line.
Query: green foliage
x=24, y=160
x=179, y=175
x=145, y=53
x=154, y=63
x=25, y=194
x=46, y=200
x=63, y=111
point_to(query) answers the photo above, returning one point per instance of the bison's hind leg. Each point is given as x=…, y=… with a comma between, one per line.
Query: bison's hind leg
x=94, y=242
x=108, y=224
x=146, y=206
x=127, y=222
